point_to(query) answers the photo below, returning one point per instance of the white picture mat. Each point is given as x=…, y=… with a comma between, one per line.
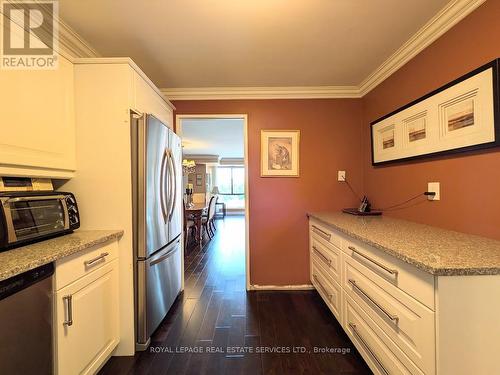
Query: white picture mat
x=479, y=88
x=265, y=135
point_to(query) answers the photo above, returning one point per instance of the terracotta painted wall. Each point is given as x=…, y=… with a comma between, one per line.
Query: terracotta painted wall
x=470, y=184
x=331, y=139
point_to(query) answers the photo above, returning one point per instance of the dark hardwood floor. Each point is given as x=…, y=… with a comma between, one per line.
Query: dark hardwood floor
x=216, y=327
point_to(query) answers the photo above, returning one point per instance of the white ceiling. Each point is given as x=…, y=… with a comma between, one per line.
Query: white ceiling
x=231, y=43
x=223, y=137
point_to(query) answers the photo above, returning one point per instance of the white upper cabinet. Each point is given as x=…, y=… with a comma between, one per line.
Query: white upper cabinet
x=38, y=124
x=148, y=100
x=121, y=77
x=38, y=113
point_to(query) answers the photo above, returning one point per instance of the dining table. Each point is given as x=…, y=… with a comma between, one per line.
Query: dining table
x=195, y=212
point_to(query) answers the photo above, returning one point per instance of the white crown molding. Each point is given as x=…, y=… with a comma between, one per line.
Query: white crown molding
x=449, y=16
x=225, y=93
x=69, y=44
x=202, y=159
x=73, y=44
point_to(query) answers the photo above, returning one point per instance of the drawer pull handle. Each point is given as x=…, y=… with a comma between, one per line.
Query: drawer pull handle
x=323, y=288
x=385, y=268
x=367, y=347
x=392, y=317
x=321, y=233
x=91, y=262
x=68, y=306
x=322, y=256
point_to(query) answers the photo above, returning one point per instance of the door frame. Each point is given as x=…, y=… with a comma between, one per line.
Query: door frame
x=244, y=117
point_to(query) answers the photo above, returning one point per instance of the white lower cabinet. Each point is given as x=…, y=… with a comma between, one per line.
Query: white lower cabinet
x=383, y=356
x=87, y=317
x=329, y=290
x=404, y=320
x=401, y=319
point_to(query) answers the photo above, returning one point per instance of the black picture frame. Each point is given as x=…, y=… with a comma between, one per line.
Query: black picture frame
x=496, y=115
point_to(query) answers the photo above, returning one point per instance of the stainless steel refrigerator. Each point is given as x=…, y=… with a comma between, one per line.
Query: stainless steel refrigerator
x=157, y=210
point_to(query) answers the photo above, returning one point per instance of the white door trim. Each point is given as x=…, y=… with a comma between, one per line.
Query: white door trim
x=244, y=117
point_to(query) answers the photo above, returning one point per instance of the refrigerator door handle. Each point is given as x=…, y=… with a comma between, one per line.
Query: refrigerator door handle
x=162, y=185
x=173, y=196
x=168, y=198
x=165, y=256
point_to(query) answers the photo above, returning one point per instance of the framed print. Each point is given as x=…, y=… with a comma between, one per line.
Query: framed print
x=461, y=116
x=279, y=153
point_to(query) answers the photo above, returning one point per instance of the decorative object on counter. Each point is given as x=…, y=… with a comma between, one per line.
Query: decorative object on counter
x=188, y=166
x=364, y=209
x=279, y=153
x=215, y=190
x=463, y=115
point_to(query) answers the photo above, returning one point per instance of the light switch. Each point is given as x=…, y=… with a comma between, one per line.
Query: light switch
x=433, y=187
x=341, y=176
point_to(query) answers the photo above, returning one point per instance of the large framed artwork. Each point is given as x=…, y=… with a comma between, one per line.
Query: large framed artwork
x=279, y=153
x=463, y=115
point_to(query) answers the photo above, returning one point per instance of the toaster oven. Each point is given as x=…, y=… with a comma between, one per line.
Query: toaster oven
x=32, y=216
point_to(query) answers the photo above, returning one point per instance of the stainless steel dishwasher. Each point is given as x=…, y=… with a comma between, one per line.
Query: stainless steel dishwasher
x=26, y=323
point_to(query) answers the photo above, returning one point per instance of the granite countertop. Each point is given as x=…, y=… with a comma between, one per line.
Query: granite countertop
x=16, y=261
x=436, y=251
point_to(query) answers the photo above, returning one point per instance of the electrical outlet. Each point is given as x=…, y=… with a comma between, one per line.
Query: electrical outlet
x=433, y=187
x=341, y=176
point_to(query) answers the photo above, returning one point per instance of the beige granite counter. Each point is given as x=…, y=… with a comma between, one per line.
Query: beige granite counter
x=434, y=250
x=16, y=261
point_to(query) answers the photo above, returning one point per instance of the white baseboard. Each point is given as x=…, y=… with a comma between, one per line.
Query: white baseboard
x=281, y=287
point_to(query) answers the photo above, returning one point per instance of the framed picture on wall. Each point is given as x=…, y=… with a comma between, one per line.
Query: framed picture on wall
x=279, y=153
x=463, y=115
x=199, y=180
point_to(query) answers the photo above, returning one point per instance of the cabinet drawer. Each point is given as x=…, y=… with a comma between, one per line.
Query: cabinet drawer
x=383, y=356
x=417, y=283
x=328, y=289
x=323, y=232
x=87, y=321
x=328, y=256
x=404, y=320
x=77, y=265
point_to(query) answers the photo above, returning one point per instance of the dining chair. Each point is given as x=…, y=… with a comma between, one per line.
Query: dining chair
x=214, y=210
x=207, y=220
x=189, y=225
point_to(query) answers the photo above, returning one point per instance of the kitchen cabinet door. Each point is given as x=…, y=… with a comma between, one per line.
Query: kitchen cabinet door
x=38, y=125
x=87, y=321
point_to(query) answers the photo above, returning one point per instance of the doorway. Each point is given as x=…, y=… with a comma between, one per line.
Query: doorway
x=215, y=155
